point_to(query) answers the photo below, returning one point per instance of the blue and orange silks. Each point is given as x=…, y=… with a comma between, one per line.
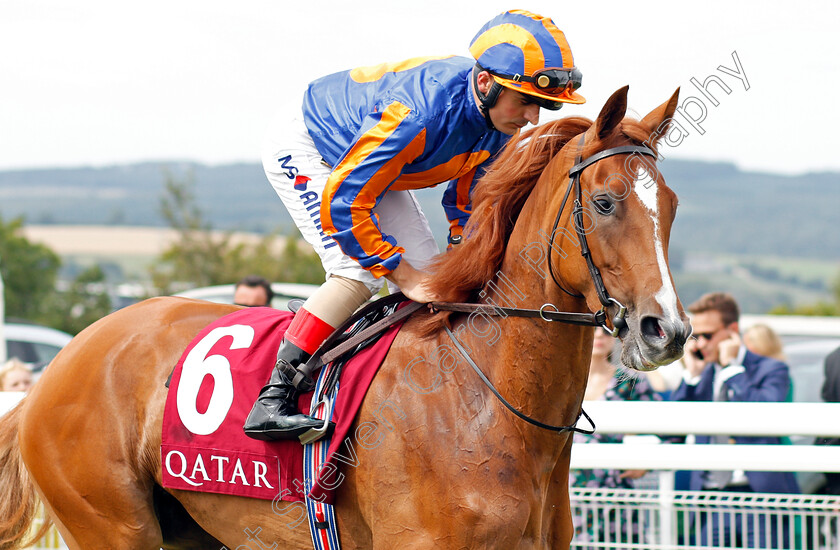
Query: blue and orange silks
x=400, y=126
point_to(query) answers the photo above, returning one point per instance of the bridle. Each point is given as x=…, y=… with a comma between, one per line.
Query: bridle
x=577, y=217
x=598, y=318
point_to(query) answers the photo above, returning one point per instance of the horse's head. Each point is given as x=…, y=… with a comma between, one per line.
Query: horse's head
x=523, y=224
x=624, y=216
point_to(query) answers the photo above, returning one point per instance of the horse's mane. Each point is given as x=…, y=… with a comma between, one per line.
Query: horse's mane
x=497, y=201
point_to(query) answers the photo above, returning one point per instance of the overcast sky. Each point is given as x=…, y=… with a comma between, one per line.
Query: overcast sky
x=96, y=82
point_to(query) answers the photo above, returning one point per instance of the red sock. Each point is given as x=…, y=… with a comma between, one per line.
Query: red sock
x=308, y=331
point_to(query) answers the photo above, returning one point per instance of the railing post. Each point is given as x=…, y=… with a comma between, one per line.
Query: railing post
x=667, y=523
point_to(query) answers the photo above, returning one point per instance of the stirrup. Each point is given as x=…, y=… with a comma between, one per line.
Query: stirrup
x=314, y=434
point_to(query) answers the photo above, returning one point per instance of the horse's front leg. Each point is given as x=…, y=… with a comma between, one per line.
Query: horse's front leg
x=557, y=514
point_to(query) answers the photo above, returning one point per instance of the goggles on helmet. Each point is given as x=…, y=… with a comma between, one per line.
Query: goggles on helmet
x=555, y=82
x=544, y=103
x=550, y=81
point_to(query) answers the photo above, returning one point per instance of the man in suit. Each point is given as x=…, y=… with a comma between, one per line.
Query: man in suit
x=831, y=394
x=718, y=367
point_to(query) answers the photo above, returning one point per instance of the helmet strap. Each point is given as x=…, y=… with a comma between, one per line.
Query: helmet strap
x=487, y=100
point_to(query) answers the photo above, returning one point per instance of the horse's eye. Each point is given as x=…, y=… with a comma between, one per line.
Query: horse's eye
x=604, y=206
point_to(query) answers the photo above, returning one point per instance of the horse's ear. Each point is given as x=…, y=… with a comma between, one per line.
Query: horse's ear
x=611, y=113
x=658, y=120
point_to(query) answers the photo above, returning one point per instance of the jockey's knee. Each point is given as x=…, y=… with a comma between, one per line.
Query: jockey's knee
x=337, y=299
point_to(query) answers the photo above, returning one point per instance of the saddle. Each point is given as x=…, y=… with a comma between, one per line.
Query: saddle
x=359, y=331
x=218, y=377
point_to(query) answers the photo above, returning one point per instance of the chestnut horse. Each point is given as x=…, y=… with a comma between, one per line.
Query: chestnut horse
x=455, y=468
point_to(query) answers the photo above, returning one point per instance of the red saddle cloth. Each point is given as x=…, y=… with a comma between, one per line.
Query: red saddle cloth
x=211, y=392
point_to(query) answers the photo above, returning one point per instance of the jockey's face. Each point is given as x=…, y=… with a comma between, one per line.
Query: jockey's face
x=513, y=111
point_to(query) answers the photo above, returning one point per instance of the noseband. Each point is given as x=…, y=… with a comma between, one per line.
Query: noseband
x=577, y=216
x=598, y=318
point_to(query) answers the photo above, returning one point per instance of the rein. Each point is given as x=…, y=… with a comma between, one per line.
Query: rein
x=559, y=429
x=340, y=343
x=577, y=214
x=598, y=318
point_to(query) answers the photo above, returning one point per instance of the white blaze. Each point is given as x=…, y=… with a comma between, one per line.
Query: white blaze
x=647, y=190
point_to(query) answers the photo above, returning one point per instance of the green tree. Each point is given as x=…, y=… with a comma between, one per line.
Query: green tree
x=29, y=272
x=201, y=256
x=83, y=303
x=822, y=308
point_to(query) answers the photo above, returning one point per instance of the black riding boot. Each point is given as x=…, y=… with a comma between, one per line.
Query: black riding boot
x=275, y=414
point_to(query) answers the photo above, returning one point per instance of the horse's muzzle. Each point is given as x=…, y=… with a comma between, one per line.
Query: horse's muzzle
x=661, y=340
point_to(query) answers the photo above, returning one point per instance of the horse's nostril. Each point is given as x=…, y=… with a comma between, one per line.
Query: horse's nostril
x=652, y=329
x=681, y=336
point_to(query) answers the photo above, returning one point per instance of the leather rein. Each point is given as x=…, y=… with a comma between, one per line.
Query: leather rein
x=597, y=319
x=339, y=344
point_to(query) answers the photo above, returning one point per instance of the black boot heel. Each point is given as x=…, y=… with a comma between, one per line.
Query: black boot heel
x=275, y=415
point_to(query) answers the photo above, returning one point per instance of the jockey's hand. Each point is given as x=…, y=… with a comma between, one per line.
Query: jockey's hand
x=412, y=282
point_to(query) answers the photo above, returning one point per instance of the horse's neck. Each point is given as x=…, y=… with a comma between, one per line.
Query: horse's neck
x=541, y=366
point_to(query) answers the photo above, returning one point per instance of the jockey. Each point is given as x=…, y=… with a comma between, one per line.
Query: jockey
x=366, y=138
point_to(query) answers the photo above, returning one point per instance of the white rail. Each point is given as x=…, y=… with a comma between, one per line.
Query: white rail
x=686, y=418
x=718, y=418
x=757, y=458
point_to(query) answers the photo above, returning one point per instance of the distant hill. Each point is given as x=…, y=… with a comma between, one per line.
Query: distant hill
x=770, y=239
x=725, y=210
x=722, y=210
x=235, y=196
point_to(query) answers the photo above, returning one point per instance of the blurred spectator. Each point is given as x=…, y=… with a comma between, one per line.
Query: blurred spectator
x=608, y=382
x=763, y=340
x=253, y=290
x=665, y=379
x=831, y=394
x=718, y=367
x=15, y=376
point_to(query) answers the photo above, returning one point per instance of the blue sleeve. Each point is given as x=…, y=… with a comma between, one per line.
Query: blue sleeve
x=389, y=141
x=771, y=385
x=457, y=200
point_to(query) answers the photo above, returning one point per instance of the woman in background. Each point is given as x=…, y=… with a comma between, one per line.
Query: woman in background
x=763, y=340
x=15, y=376
x=612, y=383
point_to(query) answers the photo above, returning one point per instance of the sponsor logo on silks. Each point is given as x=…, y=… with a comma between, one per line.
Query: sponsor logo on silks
x=290, y=171
x=310, y=199
x=312, y=202
x=300, y=182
